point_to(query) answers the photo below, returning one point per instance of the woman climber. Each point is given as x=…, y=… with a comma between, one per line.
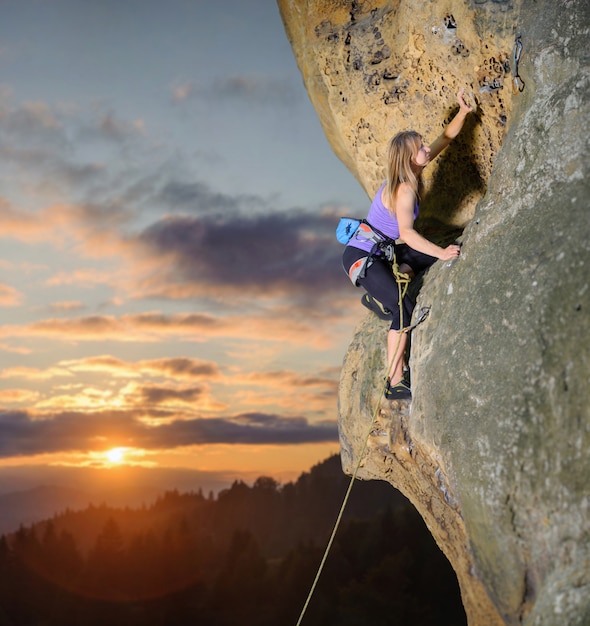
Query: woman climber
x=393, y=212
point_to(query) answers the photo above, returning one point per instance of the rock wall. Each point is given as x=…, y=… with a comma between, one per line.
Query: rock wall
x=494, y=450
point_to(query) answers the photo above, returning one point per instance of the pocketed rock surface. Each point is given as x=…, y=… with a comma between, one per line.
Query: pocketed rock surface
x=494, y=449
x=373, y=68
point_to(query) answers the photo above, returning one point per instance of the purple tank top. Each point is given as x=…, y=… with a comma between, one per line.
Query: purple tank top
x=382, y=220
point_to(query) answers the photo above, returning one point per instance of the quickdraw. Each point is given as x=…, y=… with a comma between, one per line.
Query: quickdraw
x=424, y=311
x=517, y=82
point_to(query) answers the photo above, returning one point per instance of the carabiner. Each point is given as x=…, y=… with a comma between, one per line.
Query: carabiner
x=517, y=82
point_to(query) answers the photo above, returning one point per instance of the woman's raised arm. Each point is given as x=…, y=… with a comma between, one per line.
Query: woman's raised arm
x=453, y=129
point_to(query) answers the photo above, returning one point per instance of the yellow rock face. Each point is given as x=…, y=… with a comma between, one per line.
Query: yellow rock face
x=374, y=68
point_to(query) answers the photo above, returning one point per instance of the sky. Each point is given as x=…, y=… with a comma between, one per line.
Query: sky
x=171, y=293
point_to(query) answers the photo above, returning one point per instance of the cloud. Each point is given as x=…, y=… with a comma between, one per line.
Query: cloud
x=22, y=434
x=289, y=254
x=14, y=349
x=9, y=296
x=157, y=394
x=66, y=306
x=177, y=367
x=291, y=390
x=91, y=226
x=36, y=146
x=179, y=387
x=18, y=395
x=32, y=120
x=85, y=277
x=253, y=89
x=183, y=92
x=211, y=244
x=233, y=252
x=26, y=267
x=197, y=197
x=131, y=327
x=75, y=155
x=58, y=127
x=109, y=127
x=156, y=327
x=34, y=373
x=288, y=378
x=20, y=224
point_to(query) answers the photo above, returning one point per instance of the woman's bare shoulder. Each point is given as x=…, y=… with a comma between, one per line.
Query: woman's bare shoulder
x=405, y=199
x=404, y=195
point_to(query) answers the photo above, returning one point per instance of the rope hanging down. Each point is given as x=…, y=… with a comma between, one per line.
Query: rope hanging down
x=403, y=280
x=345, y=501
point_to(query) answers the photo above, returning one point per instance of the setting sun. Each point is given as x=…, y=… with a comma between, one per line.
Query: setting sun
x=116, y=455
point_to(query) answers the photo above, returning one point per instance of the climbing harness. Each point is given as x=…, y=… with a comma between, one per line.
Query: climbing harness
x=383, y=246
x=517, y=82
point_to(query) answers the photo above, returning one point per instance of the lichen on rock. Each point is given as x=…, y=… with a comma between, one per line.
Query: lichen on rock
x=494, y=450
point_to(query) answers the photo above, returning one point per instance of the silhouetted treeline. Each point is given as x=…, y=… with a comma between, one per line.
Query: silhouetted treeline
x=247, y=557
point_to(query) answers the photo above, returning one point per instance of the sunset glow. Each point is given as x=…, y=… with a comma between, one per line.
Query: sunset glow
x=170, y=297
x=116, y=456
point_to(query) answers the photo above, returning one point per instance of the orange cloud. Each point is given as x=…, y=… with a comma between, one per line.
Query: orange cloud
x=9, y=296
x=40, y=114
x=182, y=92
x=176, y=400
x=80, y=395
x=286, y=378
x=176, y=367
x=93, y=228
x=152, y=403
x=11, y=396
x=155, y=326
x=20, y=224
x=66, y=306
x=33, y=373
x=64, y=431
x=14, y=349
x=88, y=277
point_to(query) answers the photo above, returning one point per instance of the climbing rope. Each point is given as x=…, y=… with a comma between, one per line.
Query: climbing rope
x=403, y=280
x=345, y=501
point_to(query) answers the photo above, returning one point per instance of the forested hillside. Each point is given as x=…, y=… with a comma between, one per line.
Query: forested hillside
x=247, y=556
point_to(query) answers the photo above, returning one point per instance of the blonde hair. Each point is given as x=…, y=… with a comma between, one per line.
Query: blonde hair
x=401, y=149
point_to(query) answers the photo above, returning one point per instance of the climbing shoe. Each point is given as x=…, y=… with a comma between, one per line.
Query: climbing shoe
x=399, y=391
x=374, y=305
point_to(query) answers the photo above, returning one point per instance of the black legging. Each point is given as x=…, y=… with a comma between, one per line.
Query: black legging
x=380, y=282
